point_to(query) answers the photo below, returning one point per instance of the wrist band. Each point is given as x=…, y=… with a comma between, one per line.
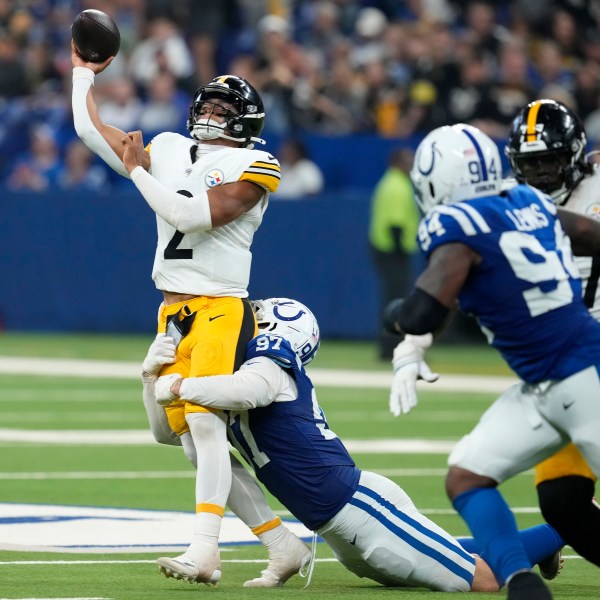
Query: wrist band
x=83, y=73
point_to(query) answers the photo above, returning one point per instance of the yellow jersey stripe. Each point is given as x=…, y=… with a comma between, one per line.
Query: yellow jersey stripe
x=268, y=181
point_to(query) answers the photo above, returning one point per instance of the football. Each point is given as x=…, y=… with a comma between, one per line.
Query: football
x=96, y=35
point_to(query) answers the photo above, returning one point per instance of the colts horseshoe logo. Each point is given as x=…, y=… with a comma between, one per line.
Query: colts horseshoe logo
x=292, y=318
x=434, y=151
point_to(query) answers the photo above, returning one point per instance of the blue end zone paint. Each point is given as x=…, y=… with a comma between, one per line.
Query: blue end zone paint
x=59, y=528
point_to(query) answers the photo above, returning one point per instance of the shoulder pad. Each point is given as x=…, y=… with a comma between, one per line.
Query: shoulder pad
x=275, y=347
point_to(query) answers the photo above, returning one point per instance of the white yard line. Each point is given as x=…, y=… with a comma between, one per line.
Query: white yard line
x=189, y=474
x=146, y=562
x=321, y=377
x=129, y=562
x=141, y=437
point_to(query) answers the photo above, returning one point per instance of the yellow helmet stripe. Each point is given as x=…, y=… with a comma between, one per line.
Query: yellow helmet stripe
x=534, y=109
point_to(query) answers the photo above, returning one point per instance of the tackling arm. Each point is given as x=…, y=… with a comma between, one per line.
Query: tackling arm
x=255, y=384
x=583, y=231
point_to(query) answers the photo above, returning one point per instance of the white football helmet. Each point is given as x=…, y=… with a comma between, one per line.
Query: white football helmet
x=293, y=321
x=455, y=163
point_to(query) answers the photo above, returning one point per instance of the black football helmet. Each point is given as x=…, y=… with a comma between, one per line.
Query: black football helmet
x=243, y=123
x=546, y=148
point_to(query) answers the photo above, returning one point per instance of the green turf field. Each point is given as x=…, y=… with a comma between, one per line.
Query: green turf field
x=136, y=476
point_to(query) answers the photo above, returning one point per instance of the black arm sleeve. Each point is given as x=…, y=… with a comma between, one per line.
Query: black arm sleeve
x=417, y=314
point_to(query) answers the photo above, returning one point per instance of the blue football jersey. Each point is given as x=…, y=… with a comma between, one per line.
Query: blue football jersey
x=526, y=292
x=290, y=446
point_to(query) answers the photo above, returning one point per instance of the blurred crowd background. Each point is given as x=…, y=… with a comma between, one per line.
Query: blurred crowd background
x=390, y=69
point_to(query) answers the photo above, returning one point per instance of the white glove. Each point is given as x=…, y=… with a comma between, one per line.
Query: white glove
x=162, y=388
x=161, y=352
x=409, y=366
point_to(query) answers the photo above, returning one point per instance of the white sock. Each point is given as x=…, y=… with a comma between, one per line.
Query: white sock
x=273, y=537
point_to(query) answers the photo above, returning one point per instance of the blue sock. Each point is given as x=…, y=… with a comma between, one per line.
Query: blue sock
x=495, y=530
x=540, y=541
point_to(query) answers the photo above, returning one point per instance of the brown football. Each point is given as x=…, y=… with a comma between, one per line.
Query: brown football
x=96, y=35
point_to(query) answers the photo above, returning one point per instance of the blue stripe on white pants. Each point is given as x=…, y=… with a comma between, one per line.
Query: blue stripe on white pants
x=409, y=531
x=403, y=516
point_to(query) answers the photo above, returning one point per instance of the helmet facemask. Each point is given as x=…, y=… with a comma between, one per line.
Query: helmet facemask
x=205, y=127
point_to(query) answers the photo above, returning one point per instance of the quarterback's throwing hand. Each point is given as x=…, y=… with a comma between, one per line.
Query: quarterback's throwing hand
x=161, y=352
x=409, y=366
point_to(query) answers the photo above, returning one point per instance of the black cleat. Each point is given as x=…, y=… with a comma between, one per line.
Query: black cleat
x=551, y=566
x=527, y=586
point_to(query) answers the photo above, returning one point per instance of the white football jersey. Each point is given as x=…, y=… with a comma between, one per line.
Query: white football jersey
x=215, y=262
x=585, y=200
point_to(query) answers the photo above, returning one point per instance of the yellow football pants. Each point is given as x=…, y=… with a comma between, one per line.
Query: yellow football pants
x=215, y=345
x=567, y=461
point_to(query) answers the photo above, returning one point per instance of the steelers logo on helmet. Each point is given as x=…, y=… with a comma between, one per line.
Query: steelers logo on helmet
x=238, y=109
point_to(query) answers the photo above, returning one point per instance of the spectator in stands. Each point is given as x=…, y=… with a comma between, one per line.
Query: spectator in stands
x=510, y=91
x=320, y=29
x=564, y=31
x=587, y=87
x=13, y=75
x=469, y=98
x=330, y=67
x=369, y=28
x=120, y=104
x=275, y=73
x=300, y=176
x=79, y=172
x=42, y=71
x=392, y=236
x=207, y=21
x=339, y=108
x=38, y=168
x=483, y=30
x=549, y=67
x=165, y=107
x=164, y=49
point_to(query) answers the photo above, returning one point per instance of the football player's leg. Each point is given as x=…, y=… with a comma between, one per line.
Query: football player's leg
x=201, y=561
x=157, y=418
x=287, y=553
x=215, y=345
x=542, y=544
x=380, y=534
x=565, y=487
x=483, y=459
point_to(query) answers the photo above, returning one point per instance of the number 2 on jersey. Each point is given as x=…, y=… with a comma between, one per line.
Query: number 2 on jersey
x=172, y=252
